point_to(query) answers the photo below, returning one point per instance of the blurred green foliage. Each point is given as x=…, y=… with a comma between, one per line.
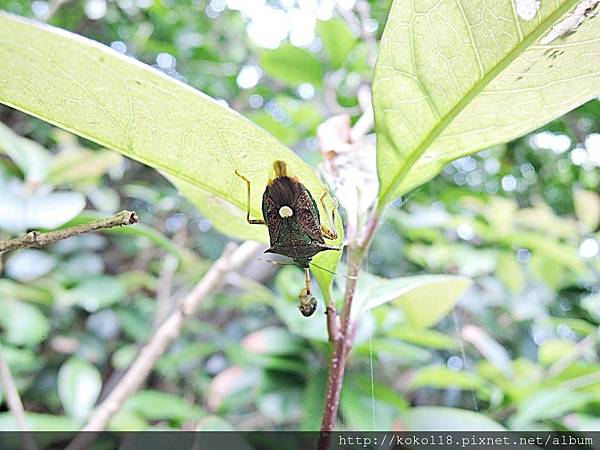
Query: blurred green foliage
x=521, y=220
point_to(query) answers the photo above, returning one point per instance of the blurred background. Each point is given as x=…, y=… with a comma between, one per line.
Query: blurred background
x=519, y=349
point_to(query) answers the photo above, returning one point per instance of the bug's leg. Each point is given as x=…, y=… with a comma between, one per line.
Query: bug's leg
x=251, y=221
x=307, y=280
x=329, y=233
x=306, y=302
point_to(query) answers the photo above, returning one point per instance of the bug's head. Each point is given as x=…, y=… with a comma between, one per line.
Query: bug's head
x=304, y=263
x=283, y=190
x=280, y=169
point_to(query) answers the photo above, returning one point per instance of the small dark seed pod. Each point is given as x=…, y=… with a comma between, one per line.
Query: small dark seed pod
x=307, y=304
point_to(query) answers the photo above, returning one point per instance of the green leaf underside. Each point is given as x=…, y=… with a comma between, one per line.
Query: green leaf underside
x=435, y=418
x=451, y=80
x=424, y=299
x=122, y=104
x=337, y=39
x=293, y=65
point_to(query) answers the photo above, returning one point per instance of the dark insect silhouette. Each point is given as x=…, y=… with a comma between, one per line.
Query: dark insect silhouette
x=295, y=230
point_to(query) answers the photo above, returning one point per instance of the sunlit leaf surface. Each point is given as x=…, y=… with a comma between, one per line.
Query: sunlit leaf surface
x=455, y=77
x=126, y=106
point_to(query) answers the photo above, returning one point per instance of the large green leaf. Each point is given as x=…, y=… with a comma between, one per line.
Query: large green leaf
x=97, y=93
x=79, y=385
x=455, y=77
x=424, y=299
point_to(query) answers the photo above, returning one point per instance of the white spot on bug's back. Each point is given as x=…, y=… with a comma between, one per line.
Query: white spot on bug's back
x=286, y=211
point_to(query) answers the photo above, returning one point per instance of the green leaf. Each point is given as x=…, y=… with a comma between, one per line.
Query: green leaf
x=435, y=418
x=489, y=348
x=441, y=377
x=391, y=349
x=547, y=404
x=157, y=405
x=289, y=281
x=510, y=272
x=338, y=40
x=98, y=292
x=313, y=400
x=127, y=421
x=38, y=422
x=579, y=326
x=23, y=324
x=591, y=303
x=28, y=293
x=292, y=65
x=424, y=299
x=28, y=264
x=282, y=131
x=212, y=441
x=21, y=360
x=21, y=210
x=31, y=158
x=426, y=338
x=121, y=104
x=361, y=411
x=587, y=208
x=451, y=80
x=214, y=423
x=225, y=217
x=81, y=165
x=79, y=385
x=554, y=349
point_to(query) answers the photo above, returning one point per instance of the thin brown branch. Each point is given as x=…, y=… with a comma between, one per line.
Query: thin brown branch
x=231, y=260
x=333, y=327
x=345, y=337
x=39, y=239
x=15, y=405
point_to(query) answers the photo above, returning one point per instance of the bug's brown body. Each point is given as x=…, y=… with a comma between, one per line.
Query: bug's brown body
x=300, y=235
x=294, y=223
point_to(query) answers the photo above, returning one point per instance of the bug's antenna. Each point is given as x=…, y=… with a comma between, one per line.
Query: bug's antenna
x=277, y=263
x=332, y=273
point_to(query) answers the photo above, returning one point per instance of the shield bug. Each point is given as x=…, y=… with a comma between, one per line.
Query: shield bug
x=295, y=230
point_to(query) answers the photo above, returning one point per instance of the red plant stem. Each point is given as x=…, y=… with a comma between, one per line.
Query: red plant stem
x=343, y=340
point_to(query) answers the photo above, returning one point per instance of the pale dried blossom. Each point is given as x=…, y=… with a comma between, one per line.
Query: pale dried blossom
x=350, y=168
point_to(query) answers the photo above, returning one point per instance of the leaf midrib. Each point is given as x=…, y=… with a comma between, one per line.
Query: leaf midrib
x=469, y=96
